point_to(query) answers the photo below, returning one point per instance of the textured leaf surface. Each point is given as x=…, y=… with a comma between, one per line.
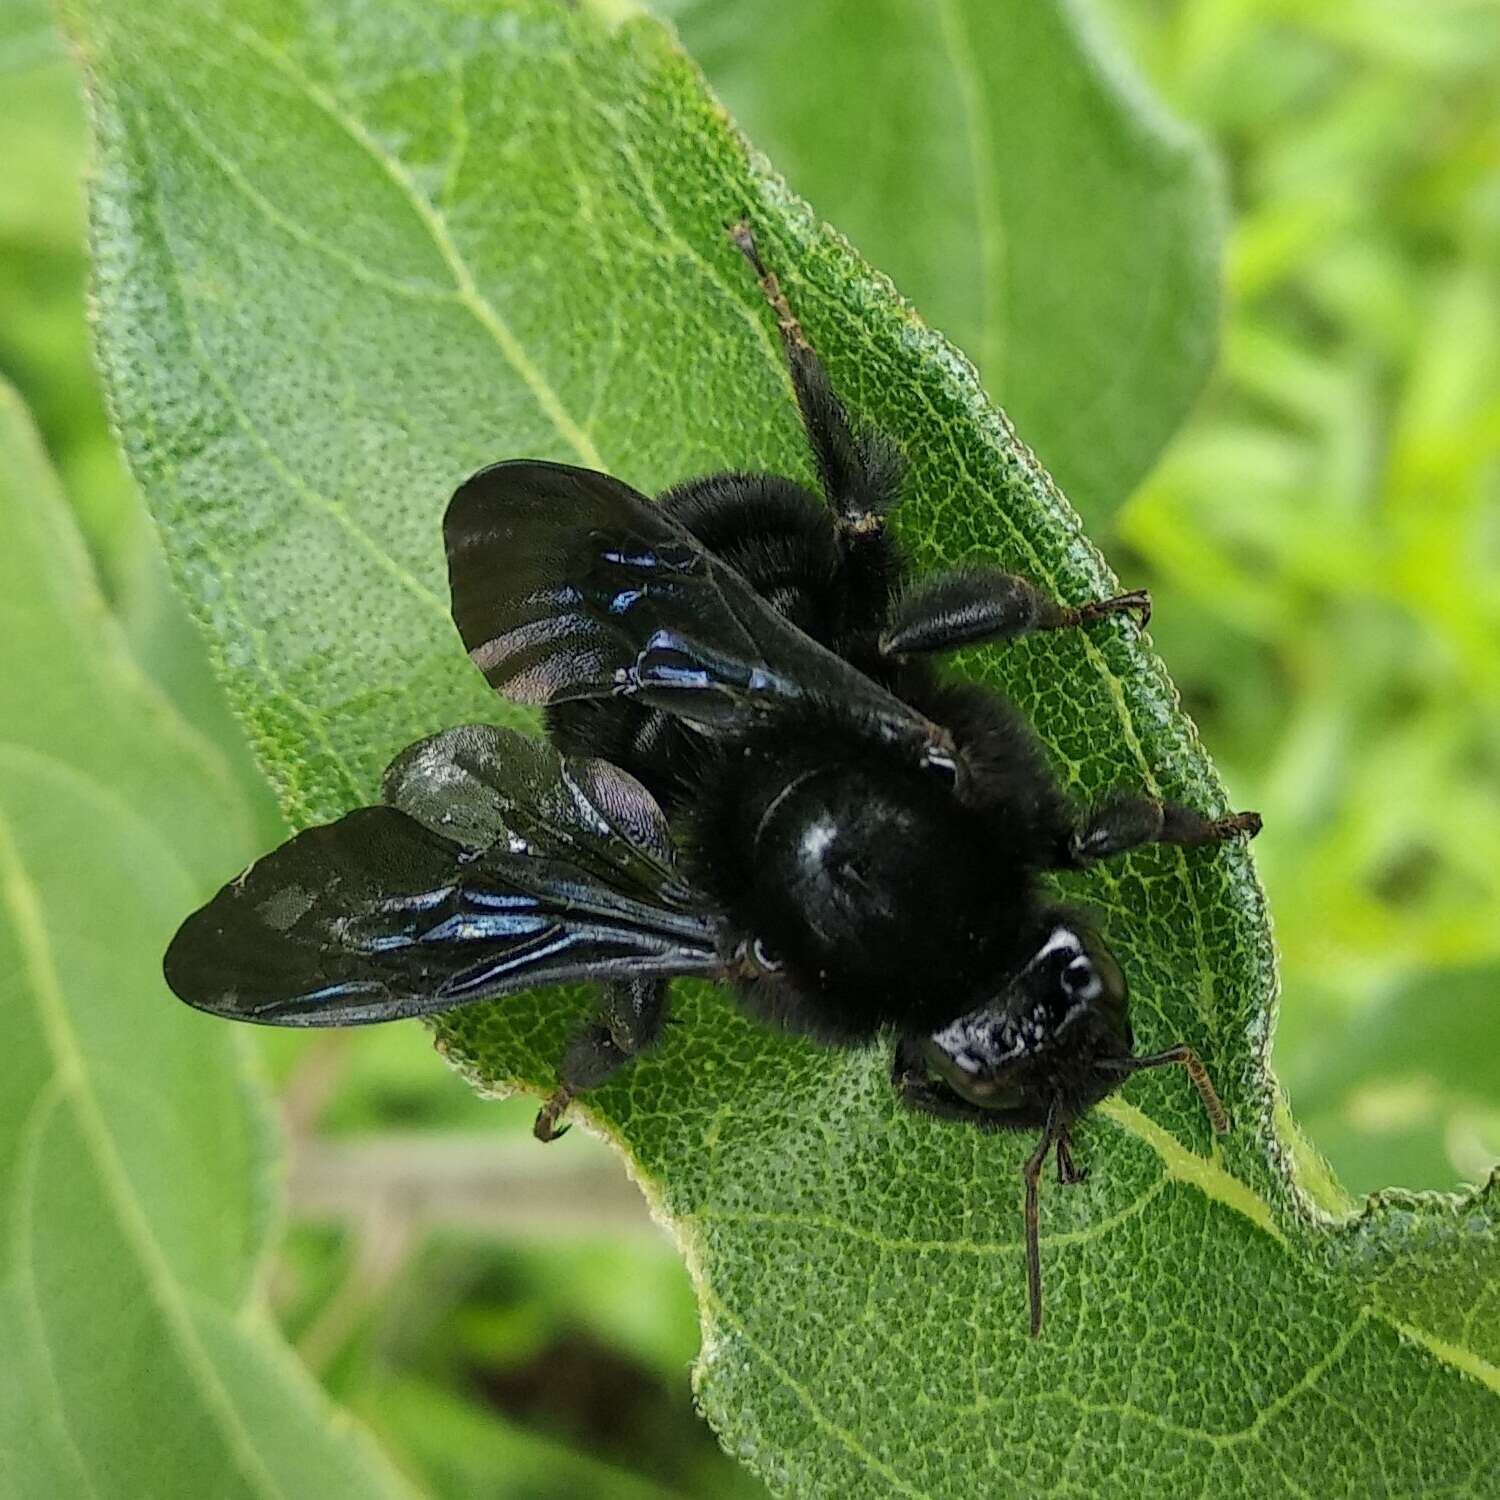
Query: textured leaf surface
x=344, y=260
x=133, y=1203
x=999, y=159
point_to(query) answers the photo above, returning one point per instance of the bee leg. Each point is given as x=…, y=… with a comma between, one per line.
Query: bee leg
x=1183, y=1056
x=861, y=471
x=1127, y=822
x=1053, y=1133
x=545, y=1127
x=917, y=1090
x=1069, y=1173
x=630, y=1022
x=974, y=604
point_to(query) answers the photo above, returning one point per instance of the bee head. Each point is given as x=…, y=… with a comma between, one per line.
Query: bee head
x=1056, y=1020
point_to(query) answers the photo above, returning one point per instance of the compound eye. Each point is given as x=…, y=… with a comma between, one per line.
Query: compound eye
x=1081, y=981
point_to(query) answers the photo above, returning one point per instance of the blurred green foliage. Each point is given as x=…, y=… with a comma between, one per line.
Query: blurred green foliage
x=1324, y=542
x=1323, y=538
x=45, y=352
x=134, y=1155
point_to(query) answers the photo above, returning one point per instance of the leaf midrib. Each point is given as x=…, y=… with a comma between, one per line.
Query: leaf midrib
x=432, y=220
x=1209, y=1177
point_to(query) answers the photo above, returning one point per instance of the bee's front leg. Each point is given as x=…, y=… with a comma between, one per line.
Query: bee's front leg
x=974, y=604
x=918, y=1091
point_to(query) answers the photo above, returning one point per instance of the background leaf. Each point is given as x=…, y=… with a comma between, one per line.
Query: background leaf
x=133, y=1192
x=45, y=350
x=345, y=259
x=1002, y=162
x=1304, y=532
x=1422, y=1066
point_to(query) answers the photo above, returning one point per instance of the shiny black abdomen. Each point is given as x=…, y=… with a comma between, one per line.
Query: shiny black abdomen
x=870, y=892
x=873, y=891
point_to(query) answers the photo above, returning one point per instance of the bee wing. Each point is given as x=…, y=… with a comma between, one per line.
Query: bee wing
x=566, y=583
x=501, y=867
x=484, y=787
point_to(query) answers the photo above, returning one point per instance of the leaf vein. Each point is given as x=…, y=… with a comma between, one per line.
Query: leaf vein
x=235, y=176
x=49, y=1096
x=1235, y=1436
x=436, y=225
x=809, y=1404
x=899, y=1245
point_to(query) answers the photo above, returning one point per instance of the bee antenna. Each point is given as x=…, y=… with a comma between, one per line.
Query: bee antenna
x=1184, y=1056
x=1052, y=1132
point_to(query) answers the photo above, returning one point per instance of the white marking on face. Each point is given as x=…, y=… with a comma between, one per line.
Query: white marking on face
x=936, y=759
x=1085, y=983
x=763, y=957
x=1062, y=940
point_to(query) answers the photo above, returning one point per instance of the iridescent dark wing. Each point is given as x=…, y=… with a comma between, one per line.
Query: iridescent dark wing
x=479, y=785
x=500, y=867
x=566, y=583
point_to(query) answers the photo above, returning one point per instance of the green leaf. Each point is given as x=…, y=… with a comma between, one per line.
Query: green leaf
x=27, y=36
x=133, y=1199
x=73, y=694
x=345, y=259
x=1002, y=162
x=45, y=345
x=1429, y=1264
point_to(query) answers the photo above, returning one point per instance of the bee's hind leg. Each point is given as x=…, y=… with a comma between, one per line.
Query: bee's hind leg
x=629, y=1023
x=861, y=469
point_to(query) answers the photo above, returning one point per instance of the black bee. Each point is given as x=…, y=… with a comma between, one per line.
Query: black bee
x=755, y=775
